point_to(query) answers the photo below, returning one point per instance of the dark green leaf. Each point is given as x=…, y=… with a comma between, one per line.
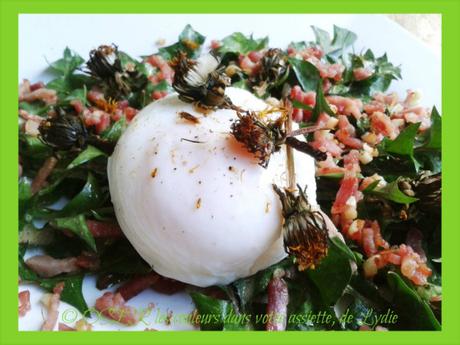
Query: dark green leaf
x=90, y=197
x=410, y=305
x=188, y=35
x=335, y=267
x=213, y=312
x=306, y=73
x=403, y=144
x=239, y=43
x=342, y=39
x=85, y=156
x=321, y=104
x=248, y=288
x=66, y=85
x=343, y=247
x=300, y=105
x=390, y=192
x=33, y=148
x=78, y=226
x=298, y=45
x=120, y=257
x=72, y=292
x=242, y=84
x=24, y=192
x=77, y=94
x=36, y=108
x=434, y=133
x=114, y=133
x=189, y=42
x=68, y=63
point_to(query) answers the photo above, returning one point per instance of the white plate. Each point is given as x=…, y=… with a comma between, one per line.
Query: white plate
x=42, y=38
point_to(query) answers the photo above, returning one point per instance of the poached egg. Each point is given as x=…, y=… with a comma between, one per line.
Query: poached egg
x=192, y=200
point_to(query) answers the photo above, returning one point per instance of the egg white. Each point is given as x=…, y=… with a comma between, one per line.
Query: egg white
x=209, y=214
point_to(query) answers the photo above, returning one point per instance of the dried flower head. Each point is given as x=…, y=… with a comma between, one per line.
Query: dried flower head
x=260, y=138
x=115, y=78
x=200, y=81
x=428, y=189
x=63, y=132
x=305, y=233
x=273, y=70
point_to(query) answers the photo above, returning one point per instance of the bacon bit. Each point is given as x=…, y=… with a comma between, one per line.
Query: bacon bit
x=346, y=134
x=323, y=141
x=165, y=73
x=89, y=261
x=62, y=327
x=35, y=92
x=46, y=266
x=130, y=113
x=198, y=203
x=114, y=307
x=24, y=302
x=27, y=116
x=346, y=106
x=328, y=166
x=278, y=300
x=51, y=302
x=189, y=117
x=326, y=70
x=167, y=286
x=104, y=229
x=136, y=285
x=361, y=73
x=95, y=96
x=37, y=86
x=348, y=188
x=154, y=173
x=381, y=124
x=97, y=118
x=306, y=53
x=77, y=105
x=412, y=265
x=307, y=98
x=249, y=63
x=43, y=173
x=156, y=95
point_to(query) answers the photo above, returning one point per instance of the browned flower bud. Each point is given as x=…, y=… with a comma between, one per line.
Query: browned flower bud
x=273, y=70
x=63, y=132
x=305, y=233
x=66, y=132
x=428, y=189
x=200, y=81
x=116, y=79
x=261, y=139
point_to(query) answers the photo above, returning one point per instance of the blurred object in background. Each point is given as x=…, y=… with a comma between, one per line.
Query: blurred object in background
x=427, y=27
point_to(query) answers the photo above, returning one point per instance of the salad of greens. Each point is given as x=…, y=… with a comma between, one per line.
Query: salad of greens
x=379, y=180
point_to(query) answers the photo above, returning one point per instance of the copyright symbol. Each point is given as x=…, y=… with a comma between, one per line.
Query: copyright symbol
x=69, y=315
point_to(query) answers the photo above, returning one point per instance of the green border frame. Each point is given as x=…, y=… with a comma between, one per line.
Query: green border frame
x=450, y=10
